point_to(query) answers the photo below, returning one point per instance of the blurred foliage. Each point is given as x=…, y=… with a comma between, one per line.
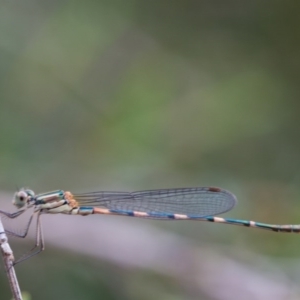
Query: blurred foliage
x=151, y=94
x=86, y=278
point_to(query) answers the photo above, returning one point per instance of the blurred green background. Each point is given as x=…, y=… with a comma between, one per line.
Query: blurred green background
x=131, y=95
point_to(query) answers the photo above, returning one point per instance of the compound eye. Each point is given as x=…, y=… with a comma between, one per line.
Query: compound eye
x=22, y=195
x=20, y=199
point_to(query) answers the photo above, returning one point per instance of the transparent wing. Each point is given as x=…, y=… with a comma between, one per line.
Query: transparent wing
x=196, y=202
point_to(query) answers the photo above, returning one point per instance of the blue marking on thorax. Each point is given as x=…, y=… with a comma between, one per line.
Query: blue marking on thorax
x=49, y=197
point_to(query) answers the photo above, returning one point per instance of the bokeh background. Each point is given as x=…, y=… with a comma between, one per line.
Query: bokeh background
x=131, y=95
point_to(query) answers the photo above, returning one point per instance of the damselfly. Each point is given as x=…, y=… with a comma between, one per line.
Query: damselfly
x=200, y=203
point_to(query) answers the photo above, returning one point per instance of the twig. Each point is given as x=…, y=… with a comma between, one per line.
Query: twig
x=8, y=258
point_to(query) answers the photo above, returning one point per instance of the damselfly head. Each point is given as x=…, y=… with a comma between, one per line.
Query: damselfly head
x=23, y=197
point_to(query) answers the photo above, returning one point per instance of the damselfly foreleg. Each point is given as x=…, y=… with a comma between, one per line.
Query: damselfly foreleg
x=14, y=215
x=39, y=241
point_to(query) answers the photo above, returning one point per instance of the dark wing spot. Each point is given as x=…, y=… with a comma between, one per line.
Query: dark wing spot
x=214, y=189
